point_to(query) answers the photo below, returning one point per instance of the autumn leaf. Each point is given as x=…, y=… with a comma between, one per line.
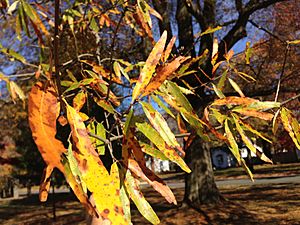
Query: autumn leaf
x=168, y=50
x=103, y=72
x=133, y=189
x=163, y=73
x=34, y=17
x=149, y=67
x=232, y=142
x=79, y=100
x=232, y=100
x=147, y=175
x=249, y=143
x=160, y=125
x=286, y=115
x=43, y=110
x=106, y=191
x=160, y=143
x=16, y=91
x=254, y=113
x=45, y=183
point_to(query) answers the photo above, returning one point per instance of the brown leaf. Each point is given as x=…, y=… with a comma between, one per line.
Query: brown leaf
x=147, y=175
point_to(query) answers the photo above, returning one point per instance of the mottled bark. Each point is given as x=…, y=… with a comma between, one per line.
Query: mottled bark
x=200, y=186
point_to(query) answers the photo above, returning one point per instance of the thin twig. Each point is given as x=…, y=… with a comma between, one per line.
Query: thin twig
x=112, y=53
x=282, y=72
x=55, y=50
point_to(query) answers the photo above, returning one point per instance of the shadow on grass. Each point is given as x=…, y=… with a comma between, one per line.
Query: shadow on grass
x=30, y=210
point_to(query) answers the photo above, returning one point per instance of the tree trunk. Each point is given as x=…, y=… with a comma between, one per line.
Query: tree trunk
x=200, y=186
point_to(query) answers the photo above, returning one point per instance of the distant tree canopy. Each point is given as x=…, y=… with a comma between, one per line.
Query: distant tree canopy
x=97, y=64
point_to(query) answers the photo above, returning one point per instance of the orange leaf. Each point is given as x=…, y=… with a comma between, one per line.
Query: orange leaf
x=168, y=50
x=163, y=73
x=43, y=110
x=149, y=67
x=234, y=101
x=254, y=113
x=45, y=183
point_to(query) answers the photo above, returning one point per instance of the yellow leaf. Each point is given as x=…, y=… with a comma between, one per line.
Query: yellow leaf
x=236, y=87
x=160, y=125
x=248, y=142
x=285, y=118
x=106, y=192
x=232, y=142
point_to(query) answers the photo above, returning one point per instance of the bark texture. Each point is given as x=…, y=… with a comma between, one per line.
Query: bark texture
x=200, y=186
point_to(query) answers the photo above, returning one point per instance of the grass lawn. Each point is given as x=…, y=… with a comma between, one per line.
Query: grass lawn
x=257, y=204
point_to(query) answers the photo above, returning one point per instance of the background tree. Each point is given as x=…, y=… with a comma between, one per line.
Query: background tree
x=192, y=17
x=63, y=103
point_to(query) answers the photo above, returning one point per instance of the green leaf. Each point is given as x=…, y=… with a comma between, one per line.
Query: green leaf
x=218, y=92
x=236, y=87
x=173, y=95
x=248, y=53
x=252, y=130
x=12, y=54
x=128, y=122
x=149, y=67
x=208, y=31
x=125, y=202
x=264, y=105
x=99, y=130
x=73, y=165
x=138, y=198
x=160, y=125
x=154, y=152
x=196, y=123
x=104, y=104
x=77, y=188
x=232, y=142
x=219, y=116
x=160, y=143
x=162, y=105
x=222, y=80
x=248, y=142
x=94, y=26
